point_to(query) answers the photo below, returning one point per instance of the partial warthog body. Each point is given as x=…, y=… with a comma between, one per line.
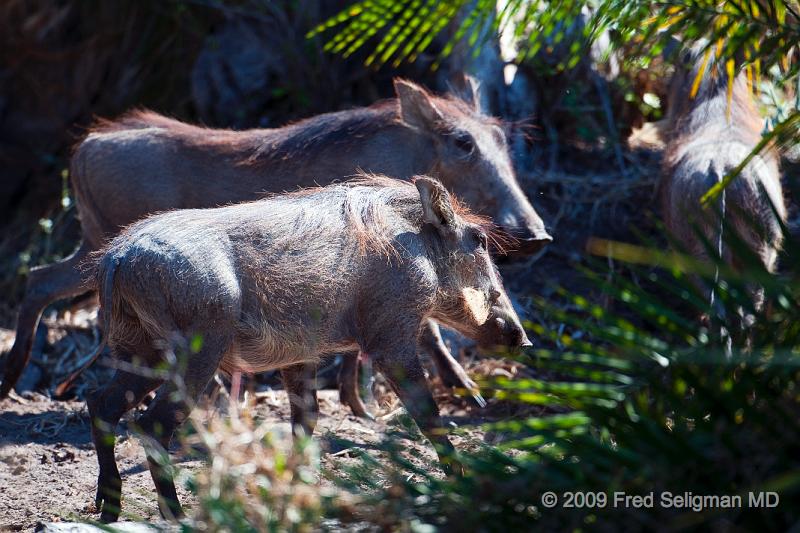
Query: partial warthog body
x=145, y=163
x=708, y=135
x=278, y=283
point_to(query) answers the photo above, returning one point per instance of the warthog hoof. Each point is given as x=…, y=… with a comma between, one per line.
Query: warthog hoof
x=107, y=503
x=458, y=379
x=453, y=467
x=355, y=404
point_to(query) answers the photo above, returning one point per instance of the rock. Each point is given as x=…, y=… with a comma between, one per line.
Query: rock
x=61, y=456
x=236, y=74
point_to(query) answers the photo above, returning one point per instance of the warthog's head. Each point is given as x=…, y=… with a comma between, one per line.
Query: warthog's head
x=472, y=160
x=699, y=76
x=471, y=296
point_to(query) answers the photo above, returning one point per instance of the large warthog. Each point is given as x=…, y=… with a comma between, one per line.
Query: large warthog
x=146, y=163
x=708, y=135
x=278, y=283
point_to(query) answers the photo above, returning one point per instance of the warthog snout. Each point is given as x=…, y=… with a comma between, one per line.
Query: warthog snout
x=527, y=242
x=509, y=333
x=524, y=231
x=503, y=327
x=521, y=242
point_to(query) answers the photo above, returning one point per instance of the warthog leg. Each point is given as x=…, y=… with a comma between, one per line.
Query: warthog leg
x=450, y=371
x=106, y=407
x=46, y=284
x=170, y=408
x=404, y=372
x=348, y=386
x=298, y=380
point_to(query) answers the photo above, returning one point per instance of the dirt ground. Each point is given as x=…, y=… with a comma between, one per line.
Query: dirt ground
x=48, y=466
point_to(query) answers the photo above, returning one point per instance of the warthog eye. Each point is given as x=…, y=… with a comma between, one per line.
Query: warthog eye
x=481, y=240
x=464, y=142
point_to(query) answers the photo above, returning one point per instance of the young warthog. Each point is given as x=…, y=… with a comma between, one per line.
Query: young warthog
x=278, y=283
x=708, y=136
x=146, y=163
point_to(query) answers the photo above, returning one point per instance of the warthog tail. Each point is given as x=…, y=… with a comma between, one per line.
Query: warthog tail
x=108, y=268
x=713, y=173
x=717, y=307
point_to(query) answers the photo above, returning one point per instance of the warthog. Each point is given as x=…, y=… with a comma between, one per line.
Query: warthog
x=708, y=135
x=278, y=283
x=146, y=163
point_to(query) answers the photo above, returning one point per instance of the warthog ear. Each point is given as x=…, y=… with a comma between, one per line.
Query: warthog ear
x=437, y=208
x=472, y=92
x=416, y=107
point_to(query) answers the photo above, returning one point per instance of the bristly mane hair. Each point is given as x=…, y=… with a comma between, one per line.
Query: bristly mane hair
x=261, y=147
x=366, y=217
x=229, y=141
